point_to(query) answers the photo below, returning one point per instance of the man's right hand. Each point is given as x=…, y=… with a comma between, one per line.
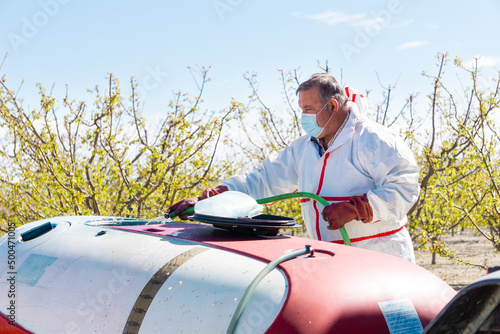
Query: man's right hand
x=178, y=208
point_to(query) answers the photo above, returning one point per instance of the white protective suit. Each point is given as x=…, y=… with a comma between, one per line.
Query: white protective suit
x=365, y=158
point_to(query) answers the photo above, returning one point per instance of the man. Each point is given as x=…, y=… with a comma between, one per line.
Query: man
x=366, y=171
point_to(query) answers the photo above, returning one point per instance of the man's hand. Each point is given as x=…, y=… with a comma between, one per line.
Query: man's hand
x=339, y=214
x=178, y=208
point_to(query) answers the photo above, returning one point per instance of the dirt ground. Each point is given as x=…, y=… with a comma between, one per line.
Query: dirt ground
x=469, y=246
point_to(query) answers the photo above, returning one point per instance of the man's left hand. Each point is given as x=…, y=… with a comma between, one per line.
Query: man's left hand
x=340, y=213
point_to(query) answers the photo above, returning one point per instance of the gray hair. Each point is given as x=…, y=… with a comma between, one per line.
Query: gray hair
x=328, y=87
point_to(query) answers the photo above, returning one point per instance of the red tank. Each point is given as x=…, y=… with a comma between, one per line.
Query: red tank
x=326, y=288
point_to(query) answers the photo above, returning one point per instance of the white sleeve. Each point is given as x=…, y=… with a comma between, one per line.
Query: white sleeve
x=391, y=164
x=276, y=175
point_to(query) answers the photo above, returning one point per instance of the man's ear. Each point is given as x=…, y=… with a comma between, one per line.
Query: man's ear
x=334, y=104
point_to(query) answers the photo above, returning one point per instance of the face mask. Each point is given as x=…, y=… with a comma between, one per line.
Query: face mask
x=310, y=125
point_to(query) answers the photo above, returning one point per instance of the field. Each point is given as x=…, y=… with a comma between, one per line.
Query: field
x=470, y=246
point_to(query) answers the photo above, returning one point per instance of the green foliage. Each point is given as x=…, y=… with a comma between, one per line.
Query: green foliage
x=458, y=162
x=68, y=158
x=266, y=131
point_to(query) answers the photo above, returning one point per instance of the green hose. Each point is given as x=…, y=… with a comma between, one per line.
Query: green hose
x=188, y=211
x=277, y=198
x=267, y=269
x=317, y=198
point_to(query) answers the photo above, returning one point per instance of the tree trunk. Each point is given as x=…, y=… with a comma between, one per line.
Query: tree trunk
x=433, y=251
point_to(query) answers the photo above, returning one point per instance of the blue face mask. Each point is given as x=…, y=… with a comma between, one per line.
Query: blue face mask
x=310, y=125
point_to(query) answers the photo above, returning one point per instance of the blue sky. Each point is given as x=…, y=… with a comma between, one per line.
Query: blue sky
x=76, y=43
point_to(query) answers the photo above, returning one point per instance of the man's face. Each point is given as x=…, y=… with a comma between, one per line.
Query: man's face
x=310, y=104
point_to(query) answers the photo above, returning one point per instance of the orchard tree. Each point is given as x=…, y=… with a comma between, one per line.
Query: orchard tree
x=263, y=131
x=458, y=158
x=70, y=158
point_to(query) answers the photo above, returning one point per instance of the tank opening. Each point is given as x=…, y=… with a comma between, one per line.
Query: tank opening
x=36, y=232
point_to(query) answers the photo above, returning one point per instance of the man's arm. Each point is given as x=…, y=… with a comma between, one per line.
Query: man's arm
x=391, y=164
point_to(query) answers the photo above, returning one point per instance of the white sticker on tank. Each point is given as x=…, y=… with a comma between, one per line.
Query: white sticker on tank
x=401, y=316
